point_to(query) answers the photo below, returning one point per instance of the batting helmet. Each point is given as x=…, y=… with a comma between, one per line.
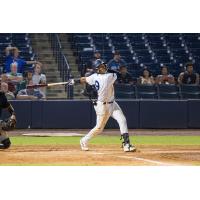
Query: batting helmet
x=98, y=62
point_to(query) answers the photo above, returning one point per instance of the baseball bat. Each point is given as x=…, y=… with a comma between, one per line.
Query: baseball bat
x=46, y=85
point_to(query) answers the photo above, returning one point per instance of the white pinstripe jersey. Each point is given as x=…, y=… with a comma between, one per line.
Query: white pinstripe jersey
x=104, y=85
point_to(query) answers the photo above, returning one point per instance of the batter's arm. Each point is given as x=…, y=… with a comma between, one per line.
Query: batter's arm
x=81, y=80
x=113, y=71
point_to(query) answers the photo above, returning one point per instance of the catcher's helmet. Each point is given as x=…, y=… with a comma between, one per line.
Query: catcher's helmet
x=98, y=62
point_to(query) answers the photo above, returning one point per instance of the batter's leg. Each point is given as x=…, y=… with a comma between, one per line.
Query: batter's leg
x=100, y=124
x=118, y=115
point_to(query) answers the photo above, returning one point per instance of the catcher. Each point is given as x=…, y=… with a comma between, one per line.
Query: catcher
x=6, y=125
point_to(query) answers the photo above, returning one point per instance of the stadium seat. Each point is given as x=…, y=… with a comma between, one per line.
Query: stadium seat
x=190, y=91
x=168, y=91
x=125, y=91
x=142, y=49
x=20, y=40
x=147, y=92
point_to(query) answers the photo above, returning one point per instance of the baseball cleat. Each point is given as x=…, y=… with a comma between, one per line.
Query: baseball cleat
x=129, y=148
x=84, y=146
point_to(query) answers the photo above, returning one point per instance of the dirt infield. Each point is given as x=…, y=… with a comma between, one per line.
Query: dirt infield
x=101, y=154
x=65, y=132
x=109, y=155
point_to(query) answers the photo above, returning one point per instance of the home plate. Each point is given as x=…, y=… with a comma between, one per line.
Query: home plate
x=49, y=134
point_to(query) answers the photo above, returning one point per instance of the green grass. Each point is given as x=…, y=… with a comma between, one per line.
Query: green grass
x=137, y=140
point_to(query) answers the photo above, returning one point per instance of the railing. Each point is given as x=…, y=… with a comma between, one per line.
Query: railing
x=63, y=65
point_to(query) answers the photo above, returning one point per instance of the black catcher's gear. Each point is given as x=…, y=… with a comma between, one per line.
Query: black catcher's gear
x=5, y=144
x=8, y=124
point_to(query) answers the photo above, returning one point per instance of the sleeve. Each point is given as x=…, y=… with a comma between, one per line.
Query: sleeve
x=22, y=62
x=90, y=79
x=113, y=71
x=5, y=103
x=43, y=78
x=8, y=61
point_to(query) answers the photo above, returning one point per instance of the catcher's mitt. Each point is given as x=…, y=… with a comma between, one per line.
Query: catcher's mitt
x=9, y=124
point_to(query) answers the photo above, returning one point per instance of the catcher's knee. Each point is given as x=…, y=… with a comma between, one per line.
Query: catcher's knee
x=6, y=143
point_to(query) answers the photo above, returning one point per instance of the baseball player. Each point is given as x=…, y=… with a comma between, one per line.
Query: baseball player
x=8, y=124
x=105, y=106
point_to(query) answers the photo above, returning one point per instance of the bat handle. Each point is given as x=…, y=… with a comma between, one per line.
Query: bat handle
x=36, y=86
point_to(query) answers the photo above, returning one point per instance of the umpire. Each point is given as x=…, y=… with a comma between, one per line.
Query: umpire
x=6, y=125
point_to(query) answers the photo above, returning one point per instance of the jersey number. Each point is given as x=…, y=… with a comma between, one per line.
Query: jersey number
x=97, y=85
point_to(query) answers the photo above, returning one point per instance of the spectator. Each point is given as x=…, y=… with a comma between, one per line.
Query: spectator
x=27, y=77
x=8, y=94
x=116, y=62
x=14, y=76
x=189, y=76
x=12, y=55
x=124, y=77
x=11, y=86
x=165, y=77
x=30, y=94
x=38, y=77
x=146, y=78
x=89, y=67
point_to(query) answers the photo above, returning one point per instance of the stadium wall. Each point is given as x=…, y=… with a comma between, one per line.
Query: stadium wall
x=76, y=114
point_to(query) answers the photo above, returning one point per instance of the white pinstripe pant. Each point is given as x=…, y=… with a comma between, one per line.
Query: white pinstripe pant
x=103, y=113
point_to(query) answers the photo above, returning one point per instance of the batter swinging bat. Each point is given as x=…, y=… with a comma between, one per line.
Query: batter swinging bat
x=46, y=85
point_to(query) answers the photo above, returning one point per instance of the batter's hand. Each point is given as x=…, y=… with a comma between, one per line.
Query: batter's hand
x=71, y=82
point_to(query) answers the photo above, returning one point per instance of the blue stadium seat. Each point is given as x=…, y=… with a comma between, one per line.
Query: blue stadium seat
x=164, y=59
x=156, y=45
x=160, y=52
x=168, y=91
x=190, y=91
x=139, y=46
x=20, y=40
x=147, y=92
x=100, y=39
x=125, y=91
x=148, y=49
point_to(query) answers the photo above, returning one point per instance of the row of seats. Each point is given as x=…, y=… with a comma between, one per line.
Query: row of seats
x=20, y=40
x=127, y=91
x=138, y=50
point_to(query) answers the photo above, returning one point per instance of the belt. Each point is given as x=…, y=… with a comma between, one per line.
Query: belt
x=107, y=102
x=104, y=103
